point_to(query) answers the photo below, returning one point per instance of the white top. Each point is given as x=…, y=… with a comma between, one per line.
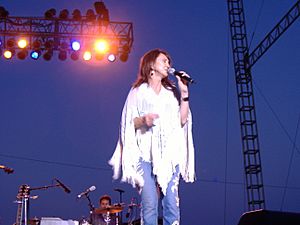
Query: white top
x=166, y=144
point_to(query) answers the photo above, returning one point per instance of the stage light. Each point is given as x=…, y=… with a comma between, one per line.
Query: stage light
x=124, y=57
x=111, y=57
x=105, y=17
x=90, y=15
x=36, y=44
x=74, y=56
x=99, y=56
x=64, y=45
x=102, y=11
x=62, y=55
x=114, y=48
x=64, y=14
x=50, y=14
x=75, y=45
x=3, y=12
x=48, y=55
x=22, y=54
x=35, y=54
x=8, y=54
x=99, y=7
x=125, y=53
x=101, y=46
x=10, y=42
x=49, y=44
x=87, y=55
x=22, y=43
x=76, y=14
x=126, y=48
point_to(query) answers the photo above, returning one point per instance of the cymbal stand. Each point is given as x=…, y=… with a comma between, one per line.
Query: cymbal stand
x=120, y=202
x=132, y=207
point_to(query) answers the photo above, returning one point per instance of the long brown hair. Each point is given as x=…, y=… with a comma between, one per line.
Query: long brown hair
x=146, y=64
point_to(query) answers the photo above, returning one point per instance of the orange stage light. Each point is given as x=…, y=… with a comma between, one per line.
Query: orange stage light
x=7, y=54
x=101, y=46
x=22, y=43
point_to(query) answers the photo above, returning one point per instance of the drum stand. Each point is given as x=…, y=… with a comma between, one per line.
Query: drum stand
x=107, y=218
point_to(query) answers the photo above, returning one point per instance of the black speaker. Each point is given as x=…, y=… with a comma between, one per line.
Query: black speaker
x=267, y=217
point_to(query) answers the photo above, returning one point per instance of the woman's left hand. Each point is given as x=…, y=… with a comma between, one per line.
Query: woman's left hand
x=183, y=84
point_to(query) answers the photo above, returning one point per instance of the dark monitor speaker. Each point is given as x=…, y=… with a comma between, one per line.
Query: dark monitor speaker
x=267, y=217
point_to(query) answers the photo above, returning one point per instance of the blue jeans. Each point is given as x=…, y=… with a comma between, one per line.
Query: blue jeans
x=150, y=194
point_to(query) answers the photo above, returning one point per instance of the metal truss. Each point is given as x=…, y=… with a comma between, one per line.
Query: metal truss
x=286, y=21
x=243, y=62
x=248, y=123
x=119, y=33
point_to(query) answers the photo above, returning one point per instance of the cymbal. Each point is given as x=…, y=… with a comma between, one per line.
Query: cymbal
x=110, y=209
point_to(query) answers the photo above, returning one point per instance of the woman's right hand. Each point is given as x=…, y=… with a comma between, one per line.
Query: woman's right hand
x=146, y=120
x=149, y=119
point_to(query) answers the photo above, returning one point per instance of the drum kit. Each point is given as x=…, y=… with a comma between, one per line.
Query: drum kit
x=108, y=215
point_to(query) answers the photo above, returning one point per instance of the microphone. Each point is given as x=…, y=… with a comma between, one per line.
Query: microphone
x=181, y=75
x=66, y=189
x=92, y=188
x=119, y=190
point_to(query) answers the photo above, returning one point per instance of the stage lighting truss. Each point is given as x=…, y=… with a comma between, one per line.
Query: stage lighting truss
x=54, y=35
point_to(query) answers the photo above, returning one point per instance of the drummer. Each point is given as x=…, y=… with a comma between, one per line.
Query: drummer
x=104, y=218
x=105, y=201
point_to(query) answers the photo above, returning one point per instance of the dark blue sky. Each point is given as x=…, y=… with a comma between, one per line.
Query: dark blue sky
x=60, y=119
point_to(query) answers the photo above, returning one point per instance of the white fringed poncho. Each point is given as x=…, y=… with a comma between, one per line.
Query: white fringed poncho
x=166, y=144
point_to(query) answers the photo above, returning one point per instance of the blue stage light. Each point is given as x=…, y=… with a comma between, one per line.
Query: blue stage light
x=75, y=45
x=35, y=55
